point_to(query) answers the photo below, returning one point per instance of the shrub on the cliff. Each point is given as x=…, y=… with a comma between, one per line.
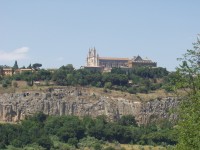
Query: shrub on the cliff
x=128, y=120
x=132, y=90
x=6, y=83
x=108, y=85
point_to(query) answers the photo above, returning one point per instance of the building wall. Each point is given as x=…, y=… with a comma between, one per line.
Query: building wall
x=7, y=72
x=143, y=64
x=113, y=63
x=22, y=70
x=10, y=71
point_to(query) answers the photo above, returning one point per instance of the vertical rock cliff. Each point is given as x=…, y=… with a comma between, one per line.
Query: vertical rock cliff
x=79, y=101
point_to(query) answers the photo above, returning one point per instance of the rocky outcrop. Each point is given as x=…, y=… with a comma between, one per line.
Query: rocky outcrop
x=79, y=101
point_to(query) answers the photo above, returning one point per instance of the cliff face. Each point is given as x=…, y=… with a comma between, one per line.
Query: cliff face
x=79, y=101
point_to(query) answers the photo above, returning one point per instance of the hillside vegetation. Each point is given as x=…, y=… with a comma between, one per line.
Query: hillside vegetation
x=135, y=80
x=70, y=132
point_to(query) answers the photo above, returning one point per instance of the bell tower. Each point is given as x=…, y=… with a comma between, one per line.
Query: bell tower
x=92, y=58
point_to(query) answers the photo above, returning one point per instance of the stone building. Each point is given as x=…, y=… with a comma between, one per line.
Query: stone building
x=138, y=61
x=95, y=61
x=9, y=71
x=21, y=70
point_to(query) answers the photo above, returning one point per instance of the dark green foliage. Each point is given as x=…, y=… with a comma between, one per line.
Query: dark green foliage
x=29, y=66
x=146, y=72
x=27, y=76
x=90, y=142
x=36, y=66
x=65, y=127
x=97, y=129
x=15, y=65
x=132, y=90
x=73, y=141
x=82, y=132
x=6, y=82
x=42, y=75
x=2, y=145
x=141, y=79
x=116, y=132
x=98, y=146
x=128, y=120
x=60, y=77
x=17, y=143
x=187, y=78
x=45, y=142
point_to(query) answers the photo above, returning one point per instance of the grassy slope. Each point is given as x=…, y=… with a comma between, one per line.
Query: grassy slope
x=22, y=87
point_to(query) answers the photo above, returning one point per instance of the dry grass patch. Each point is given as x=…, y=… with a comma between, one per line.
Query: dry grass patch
x=158, y=94
x=92, y=91
x=141, y=147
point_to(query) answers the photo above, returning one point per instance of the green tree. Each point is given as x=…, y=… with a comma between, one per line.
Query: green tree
x=128, y=120
x=1, y=71
x=30, y=66
x=43, y=74
x=6, y=82
x=69, y=68
x=36, y=66
x=188, y=79
x=15, y=65
x=45, y=142
x=108, y=85
x=60, y=77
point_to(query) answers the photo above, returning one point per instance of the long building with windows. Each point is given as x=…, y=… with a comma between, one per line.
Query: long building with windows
x=9, y=71
x=106, y=63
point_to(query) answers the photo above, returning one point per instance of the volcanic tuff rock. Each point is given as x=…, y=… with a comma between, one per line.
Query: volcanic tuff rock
x=79, y=101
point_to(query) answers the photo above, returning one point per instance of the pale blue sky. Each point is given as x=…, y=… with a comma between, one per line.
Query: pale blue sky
x=60, y=32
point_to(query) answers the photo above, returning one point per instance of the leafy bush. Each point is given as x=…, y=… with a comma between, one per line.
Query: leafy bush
x=45, y=142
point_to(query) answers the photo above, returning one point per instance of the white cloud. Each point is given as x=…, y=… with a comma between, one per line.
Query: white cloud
x=17, y=54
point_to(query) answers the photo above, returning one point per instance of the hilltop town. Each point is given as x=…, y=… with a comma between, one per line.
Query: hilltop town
x=93, y=62
x=132, y=75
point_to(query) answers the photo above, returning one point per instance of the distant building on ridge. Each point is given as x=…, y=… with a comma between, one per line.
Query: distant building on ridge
x=107, y=63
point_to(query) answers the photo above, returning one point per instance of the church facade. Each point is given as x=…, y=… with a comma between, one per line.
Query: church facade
x=95, y=61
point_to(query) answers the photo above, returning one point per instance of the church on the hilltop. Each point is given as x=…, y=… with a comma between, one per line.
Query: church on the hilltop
x=107, y=63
